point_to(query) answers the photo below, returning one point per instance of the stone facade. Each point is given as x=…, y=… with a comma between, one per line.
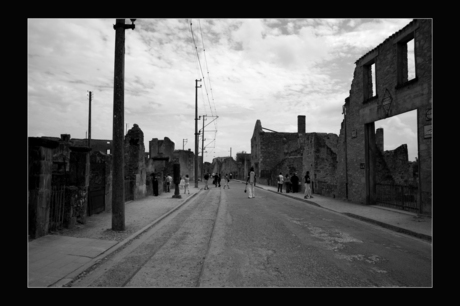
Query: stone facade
x=395, y=94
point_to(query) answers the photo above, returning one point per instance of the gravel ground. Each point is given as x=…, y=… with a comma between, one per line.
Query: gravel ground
x=138, y=214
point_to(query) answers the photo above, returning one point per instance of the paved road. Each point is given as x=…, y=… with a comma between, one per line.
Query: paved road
x=223, y=239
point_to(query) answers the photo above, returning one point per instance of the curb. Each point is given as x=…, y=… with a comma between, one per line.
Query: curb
x=73, y=276
x=295, y=198
x=368, y=220
x=391, y=227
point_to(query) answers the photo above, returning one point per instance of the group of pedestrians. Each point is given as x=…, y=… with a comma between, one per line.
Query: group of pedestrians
x=292, y=184
x=217, y=180
x=183, y=185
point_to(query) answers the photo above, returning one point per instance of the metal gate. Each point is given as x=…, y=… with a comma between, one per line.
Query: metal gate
x=96, y=194
x=397, y=196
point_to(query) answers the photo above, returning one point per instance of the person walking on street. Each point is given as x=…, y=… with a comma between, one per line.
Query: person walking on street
x=218, y=179
x=280, y=183
x=287, y=181
x=295, y=183
x=230, y=176
x=187, y=184
x=168, y=183
x=307, y=186
x=206, y=178
x=251, y=182
x=227, y=180
x=182, y=184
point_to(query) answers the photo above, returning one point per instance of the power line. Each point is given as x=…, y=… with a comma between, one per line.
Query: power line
x=207, y=67
x=209, y=76
x=199, y=62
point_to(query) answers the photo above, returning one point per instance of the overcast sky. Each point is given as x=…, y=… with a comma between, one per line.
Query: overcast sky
x=267, y=69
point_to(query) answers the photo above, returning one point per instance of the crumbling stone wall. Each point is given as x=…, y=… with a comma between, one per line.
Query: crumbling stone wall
x=103, y=145
x=320, y=159
x=225, y=165
x=399, y=166
x=39, y=190
x=135, y=169
x=186, y=159
x=79, y=181
x=394, y=95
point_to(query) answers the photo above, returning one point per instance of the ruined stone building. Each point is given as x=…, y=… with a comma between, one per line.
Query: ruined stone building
x=164, y=156
x=69, y=181
x=59, y=181
x=224, y=165
x=288, y=153
x=359, y=171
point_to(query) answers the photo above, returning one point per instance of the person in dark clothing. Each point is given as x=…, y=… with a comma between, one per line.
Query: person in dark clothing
x=295, y=183
x=218, y=179
x=206, y=178
x=307, y=186
x=287, y=180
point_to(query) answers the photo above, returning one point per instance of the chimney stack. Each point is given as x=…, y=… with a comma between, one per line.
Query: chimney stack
x=301, y=124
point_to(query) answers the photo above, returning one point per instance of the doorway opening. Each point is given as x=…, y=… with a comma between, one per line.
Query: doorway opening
x=396, y=168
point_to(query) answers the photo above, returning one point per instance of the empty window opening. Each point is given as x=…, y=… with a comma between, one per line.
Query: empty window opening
x=410, y=60
x=370, y=81
x=406, y=59
x=374, y=87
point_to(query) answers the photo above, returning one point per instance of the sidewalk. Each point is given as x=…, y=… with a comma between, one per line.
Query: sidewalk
x=394, y=219
x=55, y=260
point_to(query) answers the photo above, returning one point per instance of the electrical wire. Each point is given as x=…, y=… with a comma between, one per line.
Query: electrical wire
x=207, y=68
x=201, y=69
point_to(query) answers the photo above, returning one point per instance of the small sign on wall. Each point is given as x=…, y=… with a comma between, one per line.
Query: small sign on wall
x=361, y=166
x=427, y=131
x=428, y=115
x=354, y=133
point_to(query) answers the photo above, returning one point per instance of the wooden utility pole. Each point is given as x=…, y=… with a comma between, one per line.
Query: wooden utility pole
x=202, y=149
x=89, y=122
x=196, y=131
x=118, y=183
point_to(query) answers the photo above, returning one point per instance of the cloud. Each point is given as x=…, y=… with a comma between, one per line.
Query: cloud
x=268, y=69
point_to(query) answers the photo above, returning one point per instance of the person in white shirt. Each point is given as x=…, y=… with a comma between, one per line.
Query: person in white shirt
x=227, y=180
x=251, y=182
x=280, y=183
x=187, y=184
x=182, y=184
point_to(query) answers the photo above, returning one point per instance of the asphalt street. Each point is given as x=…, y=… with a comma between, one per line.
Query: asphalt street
x=221, y=238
